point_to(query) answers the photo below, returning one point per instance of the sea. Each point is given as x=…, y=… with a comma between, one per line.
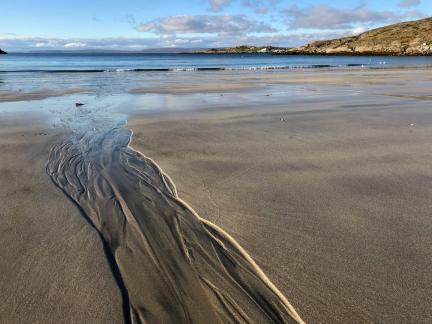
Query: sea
x=119, y=72
x=88, y=63
x=106, y=81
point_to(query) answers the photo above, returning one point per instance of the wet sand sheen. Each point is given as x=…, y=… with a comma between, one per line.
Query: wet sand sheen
x=330, y=194
x=170, y=264
x=12, y=96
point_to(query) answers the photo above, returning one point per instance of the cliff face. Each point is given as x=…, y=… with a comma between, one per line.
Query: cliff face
x=2, y=52
x=407, y=38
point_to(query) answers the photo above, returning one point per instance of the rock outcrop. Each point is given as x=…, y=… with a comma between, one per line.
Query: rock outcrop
x=2, y=52
x=243, y=49
x=406, y=38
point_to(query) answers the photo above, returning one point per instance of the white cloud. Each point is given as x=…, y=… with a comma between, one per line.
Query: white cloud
x=329, y=17
x=205, y=24
x=218, y=30
x=74, y=45
x=168, y=41
x=50, y=43
x=358, y=31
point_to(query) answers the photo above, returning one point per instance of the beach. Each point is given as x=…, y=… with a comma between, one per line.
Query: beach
x=53, y=266
x=321, y=176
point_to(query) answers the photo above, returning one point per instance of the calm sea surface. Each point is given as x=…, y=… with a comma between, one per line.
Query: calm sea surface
x=179, y=62
x=117, y=73
x=106, y=81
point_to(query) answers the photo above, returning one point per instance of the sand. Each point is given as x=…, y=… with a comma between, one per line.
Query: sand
x=52, y=265
x=12, y=96
x=331, y=196
x=194, y=88
x=171, y=265
x=322, y=178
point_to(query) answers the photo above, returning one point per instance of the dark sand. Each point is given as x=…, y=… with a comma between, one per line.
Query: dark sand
x=135, y=248
x=171, y=265
x=53, y=269
x=332, y=196
x=327, y=188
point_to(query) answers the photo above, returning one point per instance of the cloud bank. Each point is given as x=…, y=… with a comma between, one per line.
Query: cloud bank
x=330, y=17
x=205, y=24
x=166, y=41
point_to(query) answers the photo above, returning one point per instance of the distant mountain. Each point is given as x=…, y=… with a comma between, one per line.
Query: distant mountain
x=2, y=52
x=162, y=50
x=406, y=38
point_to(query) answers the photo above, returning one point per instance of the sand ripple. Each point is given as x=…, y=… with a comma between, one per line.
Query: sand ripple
x=171, y=265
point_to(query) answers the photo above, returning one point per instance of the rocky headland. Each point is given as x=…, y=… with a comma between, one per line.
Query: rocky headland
x=405, y=38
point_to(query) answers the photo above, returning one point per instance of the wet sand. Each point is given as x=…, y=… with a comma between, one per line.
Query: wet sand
x=324, y=180
x=171, y=265
x=194, y=88
x=11, y=96
x=53, y=267
x=331, y=196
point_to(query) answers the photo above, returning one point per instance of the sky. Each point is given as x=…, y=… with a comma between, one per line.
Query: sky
x=29, y=25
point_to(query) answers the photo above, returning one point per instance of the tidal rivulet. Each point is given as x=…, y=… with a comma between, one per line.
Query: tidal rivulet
x=171, y=265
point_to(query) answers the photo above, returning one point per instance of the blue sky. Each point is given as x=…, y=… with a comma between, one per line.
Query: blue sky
x=138, y=24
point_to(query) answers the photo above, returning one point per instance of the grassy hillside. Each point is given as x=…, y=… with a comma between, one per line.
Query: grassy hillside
x=407, y=38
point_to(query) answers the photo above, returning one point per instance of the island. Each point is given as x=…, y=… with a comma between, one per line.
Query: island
x=2, y=52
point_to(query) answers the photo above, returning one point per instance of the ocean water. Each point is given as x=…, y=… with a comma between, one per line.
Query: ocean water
x=118, y=73
x=187, y=62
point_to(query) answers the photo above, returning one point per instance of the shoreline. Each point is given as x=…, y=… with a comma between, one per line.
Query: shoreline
x=236, y=82
x=324, y=183
x=258, y=68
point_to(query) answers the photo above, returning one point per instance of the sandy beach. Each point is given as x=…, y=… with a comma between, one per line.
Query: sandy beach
x=322, y=178
x=53, y=266
x=331, y=196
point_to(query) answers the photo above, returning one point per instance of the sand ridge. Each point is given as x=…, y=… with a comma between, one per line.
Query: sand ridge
x=191, y=270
